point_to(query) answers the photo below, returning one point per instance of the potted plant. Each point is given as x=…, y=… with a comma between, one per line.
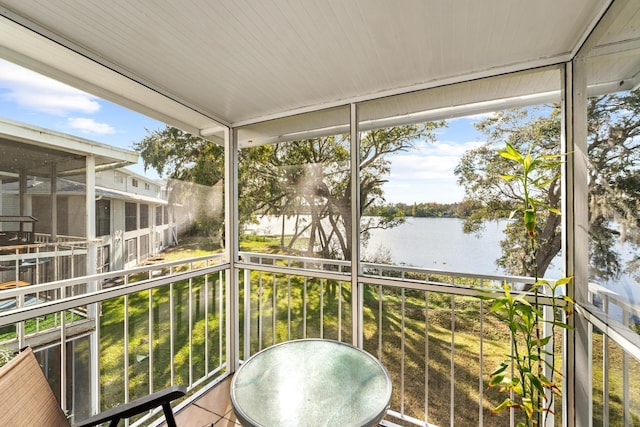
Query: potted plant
x=528, y=374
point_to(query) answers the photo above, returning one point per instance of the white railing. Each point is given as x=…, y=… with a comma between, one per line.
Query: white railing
x=431, y=328
x=42, y=262
x=414, y=320
x=444, y=298
x=154, y=326
x=60, y=238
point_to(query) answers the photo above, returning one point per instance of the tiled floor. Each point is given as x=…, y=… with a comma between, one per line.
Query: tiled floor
x=211, y=410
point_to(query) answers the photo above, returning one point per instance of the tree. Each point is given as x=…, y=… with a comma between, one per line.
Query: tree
x=304, y=179
x=311, y=179
x=182, y=156
x=195, y=168
x=614, y=180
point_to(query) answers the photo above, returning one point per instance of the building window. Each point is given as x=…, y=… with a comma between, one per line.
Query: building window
x=134, y=182
x=130, y=250
x=118, y=178
x=130, y=216
x=144, y=216
x=158, y=215
x=144, y=247
x=103, y=259
x=146, y=185
x=103, y=217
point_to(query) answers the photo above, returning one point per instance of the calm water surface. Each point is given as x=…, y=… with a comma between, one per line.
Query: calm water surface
x=440, y=243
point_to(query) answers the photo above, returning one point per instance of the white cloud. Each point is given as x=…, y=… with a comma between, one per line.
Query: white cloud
x=448, y=148
x=434, y=161
x=31, y=90
x=90, y=126
x=427, y=173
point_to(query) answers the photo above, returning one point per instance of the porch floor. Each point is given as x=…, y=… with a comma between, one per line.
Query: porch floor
x=213, y=409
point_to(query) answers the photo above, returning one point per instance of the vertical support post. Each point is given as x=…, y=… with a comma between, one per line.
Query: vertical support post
x=125, y=338
x=172, y=334
x=150, y=340
x=626, y=401
x=22, y=190
x=93, y=310
x=247, y=309
x=577, y=401
x=357, y=292
x=190, y=320
x=1, y=204
x=20, y=328
x=90, y=218
x=231, y=246
x=54, y=202
x=63, y=355
x=547, y=315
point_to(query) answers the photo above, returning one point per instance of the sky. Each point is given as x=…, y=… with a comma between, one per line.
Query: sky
x=423, y=175
x=28, y=97
x=426, y=174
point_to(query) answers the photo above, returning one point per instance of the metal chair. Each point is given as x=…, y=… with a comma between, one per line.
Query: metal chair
x=27, y=399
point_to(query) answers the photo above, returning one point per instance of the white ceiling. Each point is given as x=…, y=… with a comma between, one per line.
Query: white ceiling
x=196, y=64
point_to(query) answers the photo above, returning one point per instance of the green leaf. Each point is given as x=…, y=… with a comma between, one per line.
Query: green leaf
x=561, y=325
x=495, y=380
x=535, y=382
x=528, y=163
x=541, y=283
x=527, y=406
x=564, y=281
x=522, y=299
x=506, y=403
x=544, y=341
x=511, y=153
x=500, y=369
x=507, y=291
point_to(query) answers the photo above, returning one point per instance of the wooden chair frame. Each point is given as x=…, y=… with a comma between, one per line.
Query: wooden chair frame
x=27, y=399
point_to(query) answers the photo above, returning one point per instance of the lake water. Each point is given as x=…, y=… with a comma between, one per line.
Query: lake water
x=440, y=243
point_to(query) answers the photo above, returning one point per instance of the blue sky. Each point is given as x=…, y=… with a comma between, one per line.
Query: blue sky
x=31, y=98
x=426, y=174
x=423, y=175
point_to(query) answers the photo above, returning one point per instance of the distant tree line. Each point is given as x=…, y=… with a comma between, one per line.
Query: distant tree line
x=422, y=210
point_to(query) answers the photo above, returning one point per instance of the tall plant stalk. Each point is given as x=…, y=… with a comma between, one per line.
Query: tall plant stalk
x=522, y=374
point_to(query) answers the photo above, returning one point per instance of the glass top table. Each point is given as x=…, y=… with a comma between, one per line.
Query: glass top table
x=311, y=382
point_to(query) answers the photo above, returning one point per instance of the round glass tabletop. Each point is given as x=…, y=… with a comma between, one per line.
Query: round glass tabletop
x=311, y=382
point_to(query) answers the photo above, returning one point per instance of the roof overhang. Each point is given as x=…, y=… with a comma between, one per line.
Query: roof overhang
x=41, y=151
x=204, y=66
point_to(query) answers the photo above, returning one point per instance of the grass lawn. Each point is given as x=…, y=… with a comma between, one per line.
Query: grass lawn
x=309, y=307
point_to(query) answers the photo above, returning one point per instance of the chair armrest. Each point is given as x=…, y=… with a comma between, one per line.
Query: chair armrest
x=138, y=406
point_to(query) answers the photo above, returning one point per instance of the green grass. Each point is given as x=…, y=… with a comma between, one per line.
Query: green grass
x=44, y=323
x=112, y=358
x=426, y=317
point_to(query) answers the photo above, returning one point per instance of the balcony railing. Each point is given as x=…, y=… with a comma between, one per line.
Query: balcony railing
x=136, y=331
x=42, y=262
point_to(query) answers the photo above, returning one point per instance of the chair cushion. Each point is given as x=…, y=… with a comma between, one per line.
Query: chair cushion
x=27, y=399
